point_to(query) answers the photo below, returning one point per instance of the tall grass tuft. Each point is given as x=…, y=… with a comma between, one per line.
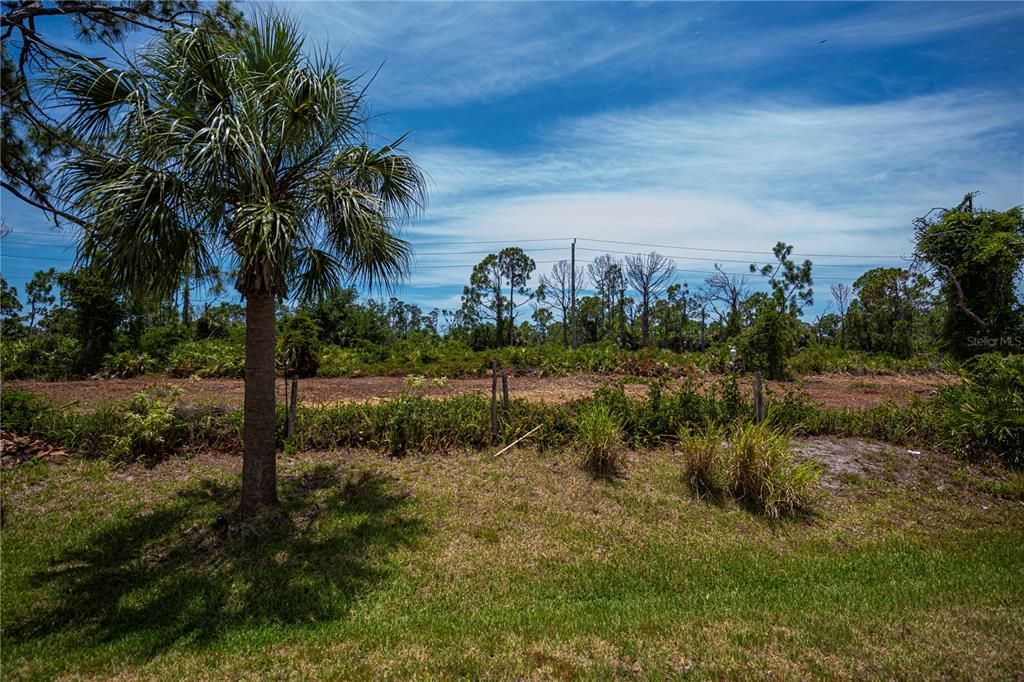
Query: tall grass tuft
x=599, y=439
x=705, y=468
x=763, y=474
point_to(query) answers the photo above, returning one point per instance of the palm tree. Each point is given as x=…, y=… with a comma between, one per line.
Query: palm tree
x=216, y=145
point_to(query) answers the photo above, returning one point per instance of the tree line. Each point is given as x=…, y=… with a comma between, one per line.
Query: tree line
x=935, y=302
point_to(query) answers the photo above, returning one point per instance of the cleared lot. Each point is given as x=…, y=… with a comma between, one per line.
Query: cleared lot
x=833, y=391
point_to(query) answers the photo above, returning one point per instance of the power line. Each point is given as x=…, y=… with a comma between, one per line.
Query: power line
x=727, y=260
x=768, y=253
x=48, y=260
x=467, y=253
x=827, y=278
x=470, y=265
x=467, y=265
x=503, y=241
x=44, y=244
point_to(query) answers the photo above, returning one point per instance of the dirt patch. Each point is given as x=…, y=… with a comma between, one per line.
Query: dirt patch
x=847, y=459
x=832, y=391
x=838, y=391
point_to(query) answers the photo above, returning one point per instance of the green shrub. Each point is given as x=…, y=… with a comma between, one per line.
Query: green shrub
x=128, y=364
x=398, y=425
x=763, y=474
x=23, y=412
x=39, y=356
x=985, y=414
x=148, y=428
x=158, y=342
x=599, y=440
x=206, y=358
x=769, y=343
x=339, y=362
x=300, y=345
x=16, y=357
x=821, y=358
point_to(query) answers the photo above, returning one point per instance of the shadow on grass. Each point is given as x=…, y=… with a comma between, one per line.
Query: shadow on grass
x=168, y=578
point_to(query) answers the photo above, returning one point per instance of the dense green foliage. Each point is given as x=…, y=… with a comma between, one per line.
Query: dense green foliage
x=882, y=317
x=207, y=358
x=977, y=256
x=981, y=416
x=300, y=345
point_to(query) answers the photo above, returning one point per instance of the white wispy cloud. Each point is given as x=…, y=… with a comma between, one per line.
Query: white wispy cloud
x=445, y=54
x=830, y=179
x=442, y=54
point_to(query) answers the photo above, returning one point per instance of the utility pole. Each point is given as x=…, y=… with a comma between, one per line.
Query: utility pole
x=702, y=313
x=573, y=285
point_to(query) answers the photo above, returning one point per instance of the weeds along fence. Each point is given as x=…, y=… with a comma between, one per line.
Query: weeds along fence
x=153, y=426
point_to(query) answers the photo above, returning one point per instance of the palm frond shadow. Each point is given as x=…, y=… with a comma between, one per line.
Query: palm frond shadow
x=167, y=577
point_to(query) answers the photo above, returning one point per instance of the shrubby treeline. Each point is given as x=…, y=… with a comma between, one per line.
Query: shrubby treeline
x=632, y=315
x=981, y=417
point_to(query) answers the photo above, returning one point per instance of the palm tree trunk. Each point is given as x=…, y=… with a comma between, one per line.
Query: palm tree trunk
x=259, y=459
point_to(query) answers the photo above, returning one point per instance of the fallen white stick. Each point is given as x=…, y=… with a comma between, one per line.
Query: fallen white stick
x=507, y=447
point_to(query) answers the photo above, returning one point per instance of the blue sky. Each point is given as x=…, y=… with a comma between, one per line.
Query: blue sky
x=708, y=126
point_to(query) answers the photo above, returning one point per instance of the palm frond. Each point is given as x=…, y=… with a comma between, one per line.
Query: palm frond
x=138, y=230
x=318, y=272
x=96, y=93
x=386, y=173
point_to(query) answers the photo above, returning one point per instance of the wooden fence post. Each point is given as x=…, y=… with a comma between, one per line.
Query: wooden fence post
x=293, y=405
x=494, y=399
x=758, y=399
x=504, y=393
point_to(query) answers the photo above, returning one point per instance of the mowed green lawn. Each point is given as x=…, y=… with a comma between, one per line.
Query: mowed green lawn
x=517, y=566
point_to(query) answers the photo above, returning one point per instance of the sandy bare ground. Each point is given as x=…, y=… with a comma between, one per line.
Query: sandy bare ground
x=833, y=391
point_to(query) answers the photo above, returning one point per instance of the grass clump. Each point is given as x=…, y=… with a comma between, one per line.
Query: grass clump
x=599, y=439
x=763, y=473
x=705, y=467
x=755, y=466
